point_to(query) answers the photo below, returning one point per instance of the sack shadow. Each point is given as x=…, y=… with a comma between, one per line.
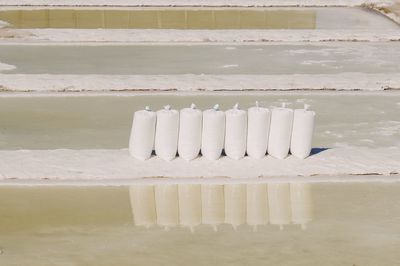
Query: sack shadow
x=315, y=151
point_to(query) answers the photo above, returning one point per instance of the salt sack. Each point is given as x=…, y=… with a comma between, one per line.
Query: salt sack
x=236, y=133
x=280, y=132
x=257, y=131
x=302, y=133
x=213, y=133
x=190, y=127
x=141, y=141
x=167, y=129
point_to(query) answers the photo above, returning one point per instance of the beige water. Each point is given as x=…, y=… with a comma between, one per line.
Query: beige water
x=166, y=59
x=197, y=18
x=353, y=224
x=151, y=18
x=105, y=122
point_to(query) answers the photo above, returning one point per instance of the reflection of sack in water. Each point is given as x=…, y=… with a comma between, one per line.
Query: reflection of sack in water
x=189, y=205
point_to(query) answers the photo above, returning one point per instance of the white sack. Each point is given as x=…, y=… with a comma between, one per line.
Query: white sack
x=235, y=133
x=280, y=132
x=141, y=141
x=258, y=125
x=213, y=134
x=190, y=127
x=167, y=129
x=302, y=133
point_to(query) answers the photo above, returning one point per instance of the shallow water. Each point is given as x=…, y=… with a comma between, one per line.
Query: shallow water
x=151, y=18
x=197, y=18
x=328, y=58
x=352, y=224
x=105, y=122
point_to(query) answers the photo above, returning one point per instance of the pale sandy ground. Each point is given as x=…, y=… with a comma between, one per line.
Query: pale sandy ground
x=391, y=10
x=396, y=8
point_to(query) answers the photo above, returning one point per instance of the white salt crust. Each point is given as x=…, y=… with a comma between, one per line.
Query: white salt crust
x=197, y=83
x=6, y=67
x=98, y=165
x=101, y=36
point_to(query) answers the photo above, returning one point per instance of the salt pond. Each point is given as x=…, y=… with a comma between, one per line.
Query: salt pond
x=196, y=18
x=267, y=59
x=348, y=224
x=90, y=122
x=351, y=224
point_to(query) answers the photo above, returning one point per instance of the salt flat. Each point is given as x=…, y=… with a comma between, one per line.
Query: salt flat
x=55, y=83
x=124, y=36
x=66, y=164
